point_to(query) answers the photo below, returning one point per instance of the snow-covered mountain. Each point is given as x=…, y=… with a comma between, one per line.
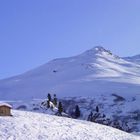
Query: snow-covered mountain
x=94, y=72
x=95, y=77
x=37, y=126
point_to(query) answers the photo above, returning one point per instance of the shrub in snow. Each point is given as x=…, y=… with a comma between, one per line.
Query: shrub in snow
x=22, y=107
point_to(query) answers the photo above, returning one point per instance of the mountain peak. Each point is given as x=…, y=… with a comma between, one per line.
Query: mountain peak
x=97, y=50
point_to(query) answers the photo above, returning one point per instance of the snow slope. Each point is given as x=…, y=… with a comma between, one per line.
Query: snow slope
x=94, y=72
x=37, y=126
x=135, y=59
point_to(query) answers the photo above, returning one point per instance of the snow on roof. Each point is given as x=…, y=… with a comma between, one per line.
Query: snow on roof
x=5, y=104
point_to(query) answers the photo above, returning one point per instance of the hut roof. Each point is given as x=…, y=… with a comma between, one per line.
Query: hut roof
x=5, y=104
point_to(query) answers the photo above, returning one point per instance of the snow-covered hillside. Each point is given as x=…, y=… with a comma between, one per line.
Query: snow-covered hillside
x=94, y=72
x=135, y=59
x=37, y=126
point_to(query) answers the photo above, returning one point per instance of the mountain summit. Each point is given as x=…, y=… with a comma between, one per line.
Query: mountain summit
x=97, y=50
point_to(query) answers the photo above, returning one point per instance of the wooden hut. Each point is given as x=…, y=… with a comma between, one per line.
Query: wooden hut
x=5, y=109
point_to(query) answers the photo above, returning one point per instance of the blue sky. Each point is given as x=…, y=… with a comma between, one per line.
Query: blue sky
x=33, y=32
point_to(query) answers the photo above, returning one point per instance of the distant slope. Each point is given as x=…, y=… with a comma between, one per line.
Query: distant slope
x=35, y=126
x=96, y=71
x=134, y=59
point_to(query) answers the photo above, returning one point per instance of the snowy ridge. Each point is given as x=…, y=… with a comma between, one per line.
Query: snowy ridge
x=134, y=59
x=36, y=126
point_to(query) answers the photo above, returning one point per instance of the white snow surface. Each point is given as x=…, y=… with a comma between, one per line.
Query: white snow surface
x=36, y=126
x=94, y=72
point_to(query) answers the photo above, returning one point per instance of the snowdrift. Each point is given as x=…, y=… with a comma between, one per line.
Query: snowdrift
x=37, y=126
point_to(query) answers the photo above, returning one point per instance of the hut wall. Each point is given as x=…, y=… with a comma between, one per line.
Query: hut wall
x=5, y=111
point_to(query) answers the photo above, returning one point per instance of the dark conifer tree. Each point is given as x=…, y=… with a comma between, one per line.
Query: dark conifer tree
x=97, y=109
x=77, y=112
x=60, y=108
x=49, y=97
x=55, y=100
x=48, y=104
x=90, y=116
